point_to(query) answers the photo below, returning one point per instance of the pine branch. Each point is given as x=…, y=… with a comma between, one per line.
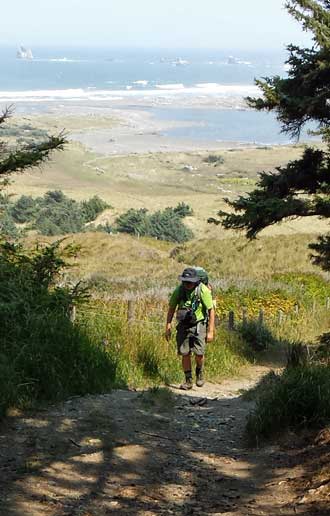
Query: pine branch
x=31, y=156
x=6, y=113
x=300, y=189
x=313, y=16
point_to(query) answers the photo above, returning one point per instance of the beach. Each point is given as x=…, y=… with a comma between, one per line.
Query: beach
x=147, y=124
x=139, y=132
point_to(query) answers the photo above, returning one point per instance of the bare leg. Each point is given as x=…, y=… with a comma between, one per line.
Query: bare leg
x=186, y=363
x=199, y=361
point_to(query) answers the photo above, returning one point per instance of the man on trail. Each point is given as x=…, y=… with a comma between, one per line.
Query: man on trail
x=193, y=303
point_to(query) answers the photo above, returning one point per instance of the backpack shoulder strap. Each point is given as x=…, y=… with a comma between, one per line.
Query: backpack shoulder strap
x=198, y=292
x=182, y=294
x=197, y=296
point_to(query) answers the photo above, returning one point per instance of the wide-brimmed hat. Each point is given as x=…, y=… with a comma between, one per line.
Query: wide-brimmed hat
x=190, y=275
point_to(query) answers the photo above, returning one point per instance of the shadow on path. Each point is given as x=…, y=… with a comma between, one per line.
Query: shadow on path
x=132, y=453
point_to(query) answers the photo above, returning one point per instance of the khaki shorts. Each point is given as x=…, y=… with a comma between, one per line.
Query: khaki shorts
x=191, y=340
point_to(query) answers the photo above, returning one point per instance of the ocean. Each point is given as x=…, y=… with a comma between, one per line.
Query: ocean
x=204, y=88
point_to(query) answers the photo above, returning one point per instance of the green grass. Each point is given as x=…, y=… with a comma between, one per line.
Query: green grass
x=153, y=180
x=143, y=357
x=296, y=399
x=43, y=356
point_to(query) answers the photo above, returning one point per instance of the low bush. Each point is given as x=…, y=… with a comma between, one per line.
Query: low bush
x=214, y=159
x=295, y=399
x=163, y=225
x=93, y=207
x=8, y=227
x=43, y=356
x=54, y=213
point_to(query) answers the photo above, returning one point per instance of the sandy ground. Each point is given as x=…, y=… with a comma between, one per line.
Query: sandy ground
x=140, y=132
x=129, y=453
x=137, y=130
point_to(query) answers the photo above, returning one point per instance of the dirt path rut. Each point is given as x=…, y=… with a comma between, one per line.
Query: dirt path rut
x=133, y=453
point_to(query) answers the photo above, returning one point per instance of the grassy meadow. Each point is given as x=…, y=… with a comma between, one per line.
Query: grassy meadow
x=155, y=180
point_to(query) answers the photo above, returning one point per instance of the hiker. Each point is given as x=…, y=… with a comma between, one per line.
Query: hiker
x=193, y=303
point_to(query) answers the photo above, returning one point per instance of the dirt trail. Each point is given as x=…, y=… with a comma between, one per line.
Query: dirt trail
x=143, y=454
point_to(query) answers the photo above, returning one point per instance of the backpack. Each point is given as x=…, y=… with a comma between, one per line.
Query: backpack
x=190, y=320
x=202, y=274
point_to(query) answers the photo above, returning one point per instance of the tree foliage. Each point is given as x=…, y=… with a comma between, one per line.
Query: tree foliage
x=302, y=187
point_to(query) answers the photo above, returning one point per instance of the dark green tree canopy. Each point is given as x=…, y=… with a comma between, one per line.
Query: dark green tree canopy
x=302, y=187
x=163, y=225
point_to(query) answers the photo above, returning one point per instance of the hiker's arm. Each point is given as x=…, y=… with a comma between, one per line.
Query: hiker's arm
x=170, y=314
x=210, y=328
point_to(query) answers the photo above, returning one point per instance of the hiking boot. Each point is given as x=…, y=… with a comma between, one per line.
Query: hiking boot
x=199, y=378
x=187, y=385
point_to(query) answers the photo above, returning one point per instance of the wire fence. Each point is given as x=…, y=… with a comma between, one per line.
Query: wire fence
x=145, y=312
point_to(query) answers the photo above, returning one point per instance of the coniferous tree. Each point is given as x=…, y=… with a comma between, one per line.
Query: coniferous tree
x=302, y=187
x=20, y=158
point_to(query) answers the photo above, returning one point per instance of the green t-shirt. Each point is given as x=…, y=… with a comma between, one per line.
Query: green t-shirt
x=186, y=300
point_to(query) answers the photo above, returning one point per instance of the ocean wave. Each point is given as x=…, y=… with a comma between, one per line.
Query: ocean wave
x=228, y=89
x=170, y=87
x=58, y=60
x=165, y=90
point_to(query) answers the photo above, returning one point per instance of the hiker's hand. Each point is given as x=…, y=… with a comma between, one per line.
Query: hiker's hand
x=209, y=336
x=168, y=332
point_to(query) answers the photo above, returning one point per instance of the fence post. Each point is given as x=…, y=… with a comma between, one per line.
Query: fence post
x=280, y=317
x=244, y=315
x=261, y=317
x=231, y=320
x=328, y=303
x=130, y=310
x=314, y=306
x=72, y=313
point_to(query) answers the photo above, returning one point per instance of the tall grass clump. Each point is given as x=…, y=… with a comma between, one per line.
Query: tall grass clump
x=297, y=398
x=143, y=357
x=43, y=356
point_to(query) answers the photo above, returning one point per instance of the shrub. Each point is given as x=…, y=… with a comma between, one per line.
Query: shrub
x=135, y=222
x=55, y=213
x=183, y=210
x=297, y=398
x=214, y=159
x=60, y=219
x=163, y=225
x=167, y=225
x=24, y=209
x=42, y=354
x=8, y=227
x=93, y=207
